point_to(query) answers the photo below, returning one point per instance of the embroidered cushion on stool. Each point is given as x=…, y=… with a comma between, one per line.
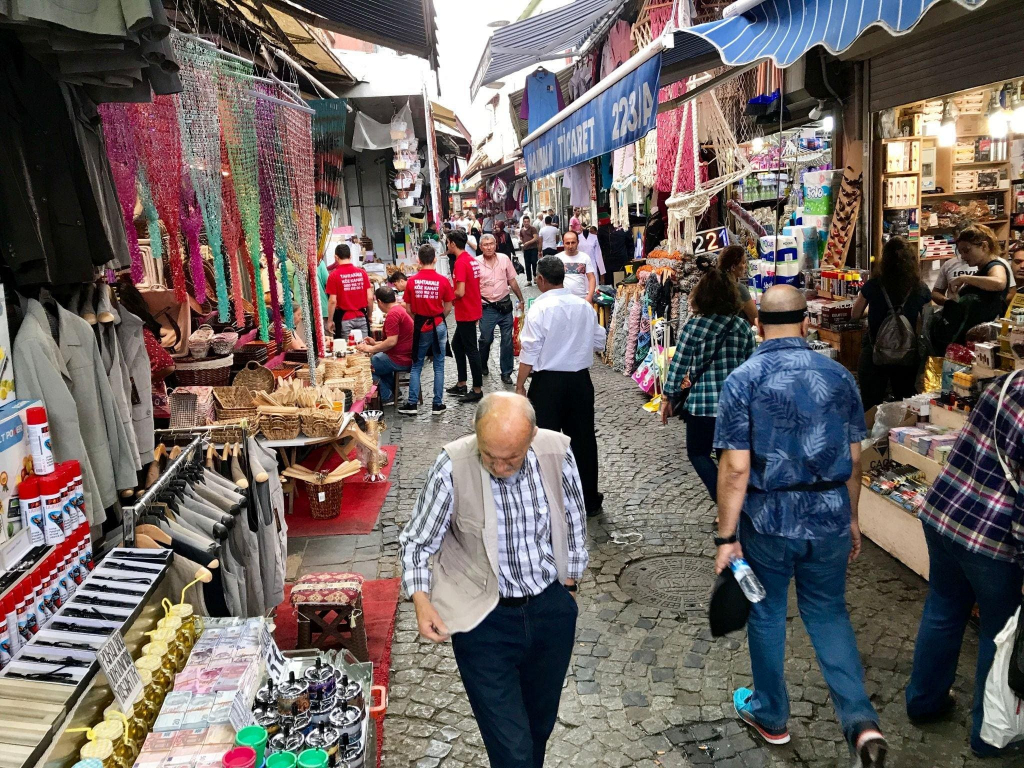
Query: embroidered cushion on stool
x=330, y=588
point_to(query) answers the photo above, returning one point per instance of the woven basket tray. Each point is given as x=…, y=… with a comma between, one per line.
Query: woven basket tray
x=224, y=343
x=275, y=426
x=319, y=422
x=255, y=377
x=228, y=430
x=199, y=342
x=214, y=372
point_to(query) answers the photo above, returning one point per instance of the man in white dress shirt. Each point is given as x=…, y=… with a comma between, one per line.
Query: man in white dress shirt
x=558, y=341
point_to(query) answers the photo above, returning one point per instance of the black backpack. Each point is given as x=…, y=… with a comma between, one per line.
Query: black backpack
x=896, y=342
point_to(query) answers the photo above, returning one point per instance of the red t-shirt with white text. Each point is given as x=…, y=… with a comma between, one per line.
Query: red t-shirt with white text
x=425, y=294
x=467, y=270
x=349, y=284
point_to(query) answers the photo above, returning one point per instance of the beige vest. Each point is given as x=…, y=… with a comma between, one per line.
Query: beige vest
x=465, y=568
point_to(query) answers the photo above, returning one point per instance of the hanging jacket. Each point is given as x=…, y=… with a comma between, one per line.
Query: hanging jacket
x=67, y=375
x=133, y=350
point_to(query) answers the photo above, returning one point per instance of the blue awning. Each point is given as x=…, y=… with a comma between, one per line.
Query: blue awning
x=784, y=30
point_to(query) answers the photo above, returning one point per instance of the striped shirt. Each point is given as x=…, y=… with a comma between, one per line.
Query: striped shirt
x=971, y=501
x=709, y=349
x=526, y=560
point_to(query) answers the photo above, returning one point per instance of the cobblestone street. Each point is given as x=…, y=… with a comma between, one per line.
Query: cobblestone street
x=647, y=685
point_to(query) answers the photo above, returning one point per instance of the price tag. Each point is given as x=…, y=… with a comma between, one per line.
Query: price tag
x=241, y=712
x=121, y=674
x=710, y=240
x=128, y=527
x=272, y=655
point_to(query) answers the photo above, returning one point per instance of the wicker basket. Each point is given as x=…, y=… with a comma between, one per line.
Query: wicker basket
x=276, y=426
x=324, y=498
x=335, y=368
x=228, y=431
x=199, y=342
x=224, y=343
x=184, y=413
x=255, y=377
x=234, y=403
x=320, y=422
x=215, y=372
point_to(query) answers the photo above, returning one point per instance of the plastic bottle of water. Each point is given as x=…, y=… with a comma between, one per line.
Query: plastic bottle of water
x=752, y=588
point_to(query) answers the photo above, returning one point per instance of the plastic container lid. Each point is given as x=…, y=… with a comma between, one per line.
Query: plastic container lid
x=29, y=488
x=50, y=485
x=101, y=749
x=35, y=415
x=109, y=729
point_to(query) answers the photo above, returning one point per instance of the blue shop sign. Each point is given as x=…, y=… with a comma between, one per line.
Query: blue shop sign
x=615, y=118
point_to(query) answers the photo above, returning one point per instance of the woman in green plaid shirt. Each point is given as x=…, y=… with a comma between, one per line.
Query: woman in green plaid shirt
x=714, y=342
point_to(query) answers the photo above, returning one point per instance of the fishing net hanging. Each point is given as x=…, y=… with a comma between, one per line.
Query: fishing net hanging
x=702, y=123
x=231, y=233
x=159, y=142
x=200, y=134
x=238, y=127
x=119, y=138
x=267, y=163
x=328, y=153
x=299, y=158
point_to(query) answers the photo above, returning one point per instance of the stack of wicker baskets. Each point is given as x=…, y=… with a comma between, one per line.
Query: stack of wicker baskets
x=279, y=422
x=234, y=403
x=358, y=367
x=320, y=422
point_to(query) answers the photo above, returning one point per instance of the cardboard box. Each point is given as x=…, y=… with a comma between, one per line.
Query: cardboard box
x=15, y=466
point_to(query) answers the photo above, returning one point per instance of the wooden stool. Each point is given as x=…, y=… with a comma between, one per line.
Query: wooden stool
x=400, y=377
x=331, y=605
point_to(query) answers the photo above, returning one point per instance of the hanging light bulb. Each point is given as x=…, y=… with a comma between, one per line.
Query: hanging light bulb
x=947, y=128
x=997, y=127
x=757, y=145
x=828, y=123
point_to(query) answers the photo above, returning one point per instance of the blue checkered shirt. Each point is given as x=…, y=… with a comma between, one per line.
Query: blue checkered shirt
x=696, y=354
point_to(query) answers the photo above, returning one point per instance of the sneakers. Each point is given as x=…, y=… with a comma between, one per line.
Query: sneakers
x=484, y=371
x=458, y=389
x=940, y=714
x=409, y=409
x=741, y=702
x=871, y=750
x=439, y=408
x=506, y=379
x=472, y=397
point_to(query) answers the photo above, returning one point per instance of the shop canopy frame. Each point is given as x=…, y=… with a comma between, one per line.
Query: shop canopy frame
x=558, y=34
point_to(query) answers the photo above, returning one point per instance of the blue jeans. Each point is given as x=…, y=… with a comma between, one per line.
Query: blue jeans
x=957, y=579
x=819, y=566
x=700, y=438
x=384, y=369
x=491, y=318
x=513, y=665
x=426, y=342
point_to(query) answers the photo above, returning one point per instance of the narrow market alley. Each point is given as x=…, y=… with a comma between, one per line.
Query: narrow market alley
x=647, y=685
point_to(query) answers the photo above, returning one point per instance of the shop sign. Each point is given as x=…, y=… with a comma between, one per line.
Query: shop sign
x=128, y=527
x=615, y=118
x=519, y=167
x=122, y=676
x=710, y=240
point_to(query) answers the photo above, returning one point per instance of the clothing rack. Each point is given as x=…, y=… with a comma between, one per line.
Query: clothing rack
x=188, y=453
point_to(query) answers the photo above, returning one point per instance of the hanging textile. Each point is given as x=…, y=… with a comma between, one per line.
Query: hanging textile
x=124, y=165
x=369, y=134
x=200, y=134
x=231, y=230
x=158, y=139
x=238, y=128
x=328, y=147
x=268, y=161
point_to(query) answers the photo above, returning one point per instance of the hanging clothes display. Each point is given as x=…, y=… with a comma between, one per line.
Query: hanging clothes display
x=578, y=180
x=542, y=98
x=584, y=73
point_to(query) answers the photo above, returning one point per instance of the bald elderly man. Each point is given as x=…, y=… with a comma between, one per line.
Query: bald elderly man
x=502, y=516
x=789, y=427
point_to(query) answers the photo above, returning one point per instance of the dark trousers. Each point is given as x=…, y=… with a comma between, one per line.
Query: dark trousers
x=492, y=319
x=875, y=379
x=700, y=438
x=959, y=578
x=513, y=665
x=530, y=257
x=564, y=402
x=464, y=345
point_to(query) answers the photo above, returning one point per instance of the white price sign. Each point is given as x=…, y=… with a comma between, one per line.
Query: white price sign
x=122, y=676
x=710, y=240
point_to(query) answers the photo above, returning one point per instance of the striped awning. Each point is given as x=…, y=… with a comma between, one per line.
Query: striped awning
x=547, y=36
x=784, y=30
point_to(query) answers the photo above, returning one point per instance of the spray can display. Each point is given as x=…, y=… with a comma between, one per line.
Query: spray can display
x=39, y=440
x=53, y=513
x=5, y=644
x=74, y=470
x=32, y=510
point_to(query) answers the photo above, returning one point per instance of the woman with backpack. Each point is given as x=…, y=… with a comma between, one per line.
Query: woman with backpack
x=714, y=343
x=893, y=299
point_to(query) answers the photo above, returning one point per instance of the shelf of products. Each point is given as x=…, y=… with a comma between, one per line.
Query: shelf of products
x=894, y=529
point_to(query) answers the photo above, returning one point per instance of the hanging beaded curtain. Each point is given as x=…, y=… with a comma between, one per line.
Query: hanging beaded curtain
x=231, y=231
x=191, y=223
x=298, y=154
x=119, y=136
x=328, y=157
x=159, y=142
x=286, y=211
x=156, y=241
x=238, y=127
x=267, y=161
x=200, y=134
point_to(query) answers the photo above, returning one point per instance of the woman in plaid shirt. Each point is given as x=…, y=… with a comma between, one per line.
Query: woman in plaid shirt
x=714, y=343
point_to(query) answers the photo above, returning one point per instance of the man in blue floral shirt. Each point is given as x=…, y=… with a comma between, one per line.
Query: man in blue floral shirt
x=789, y=425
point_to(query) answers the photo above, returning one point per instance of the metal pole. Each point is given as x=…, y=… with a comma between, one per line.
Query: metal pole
x=282, y=102
x=304, y=72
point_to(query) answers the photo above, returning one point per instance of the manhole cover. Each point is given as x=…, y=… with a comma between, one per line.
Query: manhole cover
x=670, y=582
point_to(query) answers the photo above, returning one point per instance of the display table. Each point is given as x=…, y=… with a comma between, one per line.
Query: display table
x=894, y=529
x=946, y=418
x=846, y=343
x=904, y=455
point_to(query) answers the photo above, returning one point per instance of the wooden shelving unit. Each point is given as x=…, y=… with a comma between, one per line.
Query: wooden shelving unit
x=936, y=166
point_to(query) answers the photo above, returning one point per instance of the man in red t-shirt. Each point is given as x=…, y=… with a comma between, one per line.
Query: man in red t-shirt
x=468, y=309
x=350, y=296
x=428, y=296
x=394, y=352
